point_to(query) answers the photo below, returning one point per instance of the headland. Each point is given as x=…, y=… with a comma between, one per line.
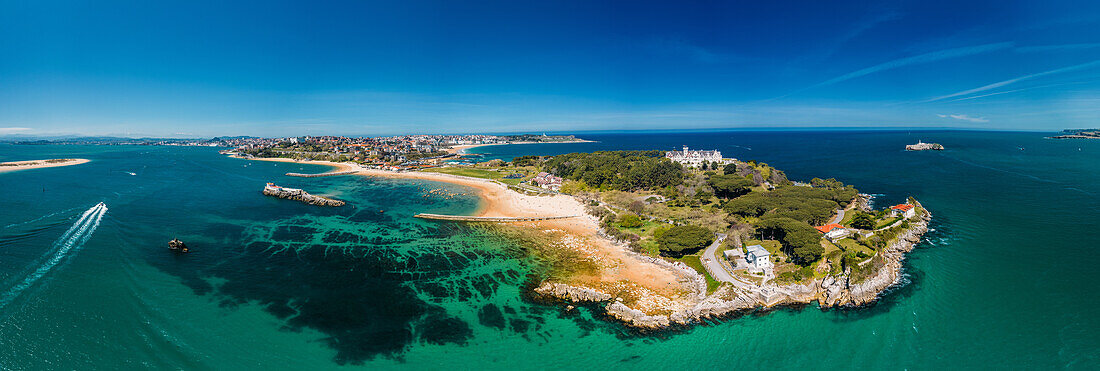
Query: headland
x=1078, y=134
x=621, y=258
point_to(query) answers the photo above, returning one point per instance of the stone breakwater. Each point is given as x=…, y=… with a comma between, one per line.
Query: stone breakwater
x=300, y=195
x=830, y=291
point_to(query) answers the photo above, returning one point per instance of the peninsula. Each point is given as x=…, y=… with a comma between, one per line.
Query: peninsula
x=658, y=239
x=38, y=164
x=1078, y=134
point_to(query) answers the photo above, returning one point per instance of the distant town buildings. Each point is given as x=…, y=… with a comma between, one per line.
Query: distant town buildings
x=695, y=158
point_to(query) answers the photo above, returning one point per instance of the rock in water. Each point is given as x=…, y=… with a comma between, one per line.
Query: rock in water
x=299, y=195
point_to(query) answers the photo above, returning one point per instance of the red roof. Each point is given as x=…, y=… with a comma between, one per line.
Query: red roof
x=902, y=207
x=828, y=227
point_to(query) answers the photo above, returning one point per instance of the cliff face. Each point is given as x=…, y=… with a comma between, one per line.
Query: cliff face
x=830, y=291
x=303, y=196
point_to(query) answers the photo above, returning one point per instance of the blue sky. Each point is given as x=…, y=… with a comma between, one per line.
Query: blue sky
x=271, y=68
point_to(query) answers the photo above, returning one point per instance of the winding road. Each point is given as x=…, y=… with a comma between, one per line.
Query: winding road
x=710, y=261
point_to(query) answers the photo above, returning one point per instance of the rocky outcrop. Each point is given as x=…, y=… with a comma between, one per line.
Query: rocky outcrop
x=571, y=293
x=300, y=195
x=830, y=291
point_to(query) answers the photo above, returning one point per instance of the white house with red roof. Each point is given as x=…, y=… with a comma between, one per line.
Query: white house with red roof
x=834, y=232
x=904, y=210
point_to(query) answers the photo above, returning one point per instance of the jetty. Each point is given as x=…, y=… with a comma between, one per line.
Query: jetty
x=299, y=195
x=334, y=173
x=502, y=219
x=922, y=146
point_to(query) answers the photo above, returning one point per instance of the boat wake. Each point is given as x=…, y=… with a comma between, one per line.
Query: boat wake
x=69, y=243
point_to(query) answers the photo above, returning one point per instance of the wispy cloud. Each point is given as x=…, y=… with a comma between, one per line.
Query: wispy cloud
x=1017, y=79
x=918, y=59
x=965, y=118
x=13, y=130
x=1050, y=48
x=858, y=28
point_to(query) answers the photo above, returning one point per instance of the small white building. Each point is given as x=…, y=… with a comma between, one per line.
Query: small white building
x=759, y=257
x=695, y=158
x=834, y=232
x=904, y=210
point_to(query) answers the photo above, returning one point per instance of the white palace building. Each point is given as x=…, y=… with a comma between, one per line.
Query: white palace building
x=695, y=158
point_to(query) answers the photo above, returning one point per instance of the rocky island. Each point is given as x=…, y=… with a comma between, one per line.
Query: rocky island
x=299, y=195
x=922, y=146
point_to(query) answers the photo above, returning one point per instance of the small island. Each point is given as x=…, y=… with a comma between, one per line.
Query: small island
x=1078, y=134
x=922, y=146
x=37, y=164
x=299, y=195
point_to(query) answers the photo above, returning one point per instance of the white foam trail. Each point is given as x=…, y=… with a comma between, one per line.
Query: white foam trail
x=70, y=242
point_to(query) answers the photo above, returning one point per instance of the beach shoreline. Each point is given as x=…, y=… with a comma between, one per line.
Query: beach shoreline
x=39, y=164
x=337, y=166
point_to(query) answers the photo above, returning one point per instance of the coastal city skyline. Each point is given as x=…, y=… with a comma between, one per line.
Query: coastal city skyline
x=370, y=69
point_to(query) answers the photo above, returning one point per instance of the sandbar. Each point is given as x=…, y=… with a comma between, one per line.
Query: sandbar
x=38, y=164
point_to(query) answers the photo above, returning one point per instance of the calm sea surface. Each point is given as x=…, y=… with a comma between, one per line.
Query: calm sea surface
x=1003, y=281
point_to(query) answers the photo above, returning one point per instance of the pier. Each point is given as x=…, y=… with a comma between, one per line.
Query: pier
x=334, y=173
x=503, y=219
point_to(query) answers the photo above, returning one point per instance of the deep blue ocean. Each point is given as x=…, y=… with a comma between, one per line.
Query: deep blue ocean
x=1003, y=280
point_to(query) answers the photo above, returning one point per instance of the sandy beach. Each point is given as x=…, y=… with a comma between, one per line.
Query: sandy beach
x=651, y=288
x=38, y=164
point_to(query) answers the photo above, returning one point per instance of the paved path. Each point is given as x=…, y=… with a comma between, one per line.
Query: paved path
x=710, y=262
x=839, y=217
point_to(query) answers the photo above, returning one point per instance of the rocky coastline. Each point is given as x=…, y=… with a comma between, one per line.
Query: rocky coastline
x=830, y=291
x=300, y=195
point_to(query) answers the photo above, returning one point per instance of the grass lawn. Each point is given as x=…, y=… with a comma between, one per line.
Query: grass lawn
x=848, y=216
x=886, y=222
x=470, y=172
x=772, y=246
x=850, y=245
x=694, y=262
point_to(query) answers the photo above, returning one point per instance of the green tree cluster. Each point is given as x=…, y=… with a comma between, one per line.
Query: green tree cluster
x=630, y=221
x=801, y=241
x=730, y=186
x=618, y=170
x=809, y=205
x=863, y=221
x=683, y=239
x=525, y=161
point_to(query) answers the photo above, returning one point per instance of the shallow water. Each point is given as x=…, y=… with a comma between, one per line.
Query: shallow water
x=1002, y=281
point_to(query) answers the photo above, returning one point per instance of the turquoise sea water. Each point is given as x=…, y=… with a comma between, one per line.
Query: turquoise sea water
x=1004, y=280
